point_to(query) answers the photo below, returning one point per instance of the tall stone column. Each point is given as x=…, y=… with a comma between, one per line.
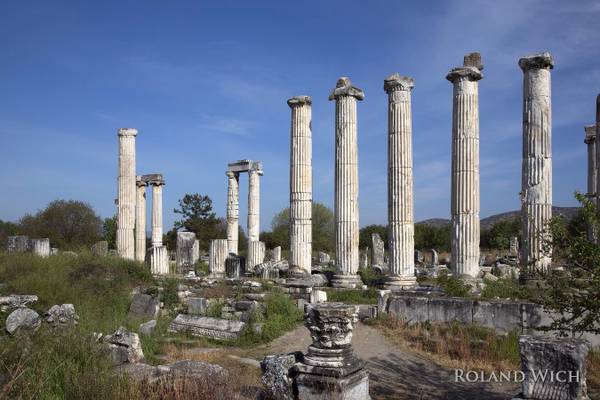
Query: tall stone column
x=536, y=180
x=592, y=170
x=597, y=160
x=140, y=221
x=346, y=184
x=254, y=203
x=401, y=239
x=157, y=209
x=301, y=186
x=465, y=167
x=126, y=193
x=232, y=211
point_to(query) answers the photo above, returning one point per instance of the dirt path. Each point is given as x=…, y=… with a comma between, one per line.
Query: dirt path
x=397, y=373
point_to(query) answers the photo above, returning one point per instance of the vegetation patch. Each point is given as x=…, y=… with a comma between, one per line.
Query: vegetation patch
x=353, y=296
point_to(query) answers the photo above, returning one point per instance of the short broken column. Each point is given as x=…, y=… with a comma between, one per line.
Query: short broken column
x=126, y=194
x=301, y=186
x=217, y=255
x=233, y=194
x=401, y=242
x=330, y=370
x=276, y=254
x=592, y=170
x=40, y=247
x=140, y=220
x=378, y=251
x=465, y=167
x=256, y=255
x=346, y=184
x=536, y=179
x=185, y=257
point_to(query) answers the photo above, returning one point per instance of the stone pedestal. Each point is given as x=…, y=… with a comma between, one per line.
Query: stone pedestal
x=232, y=211
x=185, y=252
x=465, y=168
x=536, y=180
x=217, y=256
x=301, y=186
x=346, y=184
x=330, y=370
x=158, y=259
x=126, y=195
x=256, y=255
x=140, y=220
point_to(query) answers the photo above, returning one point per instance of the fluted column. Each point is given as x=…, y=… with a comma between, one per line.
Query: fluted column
x=217, y=256
x=157, y=220
x=254, y=203
x=465, y=170
x=401, y=241
x=346, y=184
x=301, y=186
x=536, y=180
x=232, y=211
x=140, y=221
x=126, y=193
x=597, y=198
x=592, y=170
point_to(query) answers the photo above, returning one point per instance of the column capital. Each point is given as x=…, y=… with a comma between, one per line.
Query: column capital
x=140, y=183
x=590, y=133
x=299, y=101
x=396, y=82
x=231, y=174
x=127, y=132
x=344, y=88
x=473, y=60
x=458, y=73
x=536, y=61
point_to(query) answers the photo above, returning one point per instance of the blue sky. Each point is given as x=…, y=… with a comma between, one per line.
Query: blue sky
x=206, y=83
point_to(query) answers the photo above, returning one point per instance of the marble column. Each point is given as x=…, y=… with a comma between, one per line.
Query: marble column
x=126, y=194
x=256, y=255
x=157, y=210
x=301, y=186
x=597, y=198
x=140, y=221
x=232, y=211
x=465, y=169
x=401, y=240
x=346, y=184
x=254, y=203
x=536, y=178
x=217, y=256
x=592, y=170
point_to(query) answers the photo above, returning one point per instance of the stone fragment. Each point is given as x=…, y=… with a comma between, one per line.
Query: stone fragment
x=62, y=315
x=22, y=321
x=214, y=328
x=419, y=259
x=40, y=247
x=16, y=301
x=318, y=296
x=276, y=254
x=278, y=375
x=124, y=347
x=197, y=305
x=324, y=258
x=17, y=244
x=100, y=249
x=147, y=328
x=186, y=369
x=185, y=252
x=234, y=266
x=377, y=252
x=144, y=306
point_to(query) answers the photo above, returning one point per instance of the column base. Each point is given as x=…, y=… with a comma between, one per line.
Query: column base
x=347, y=281
x=318, y=387
x=396, y=282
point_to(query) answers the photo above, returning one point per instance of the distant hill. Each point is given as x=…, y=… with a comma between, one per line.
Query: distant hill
x=567, y=212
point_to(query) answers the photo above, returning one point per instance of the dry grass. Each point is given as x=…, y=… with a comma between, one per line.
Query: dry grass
x=593, y=374
x=221, y=290
x=455, y=345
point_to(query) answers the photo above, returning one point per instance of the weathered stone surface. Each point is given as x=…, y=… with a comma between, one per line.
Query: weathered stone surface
x=185, y=252
x=140, y=219
x=278, y=375
x=319, y=280
x=197, y=305
x=186, y=369
x=267, y=270
x=124, y=346
x=377, y=250
x=563, y=363
x=234, y=266
x=144, y=306
x=16, y=301
x=318, y=296
x=62, y=315
x=158, y=259
x=276, y=254
x=324, y=258
x=157, y=210
x=419, y=259
x=217, y=257
x=232, y=217
x=126, y=195
x=256, y=255
x=40, y=247
x=22, y=321
x=215, y=328
x=100, y=249
x=147, y=328
x=17, y=244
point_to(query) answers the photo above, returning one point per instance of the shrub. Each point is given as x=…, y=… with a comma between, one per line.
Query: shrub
x=354, y=296
x=453, y=286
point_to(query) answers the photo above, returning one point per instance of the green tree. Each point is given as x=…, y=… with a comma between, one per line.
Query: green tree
x=498, y=236
x=432, y=237
x=109, y=231
x=7, y=229
x=365, y=239
x=573, y=293
x=69, y=224
x=322, y=229
x=197, y=216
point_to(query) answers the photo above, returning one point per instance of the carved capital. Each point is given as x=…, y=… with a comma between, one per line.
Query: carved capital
x=344, y=88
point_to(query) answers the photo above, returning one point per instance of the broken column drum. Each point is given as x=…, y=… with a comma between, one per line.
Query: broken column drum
x=126, y=194
x=465, y=170
x=346, y=184
x=536, y=179
x=217, y=256
x=232, y=211
x=140, y=220
x=301, y=186
x=185, y=258
x=401, y=242
x=256, y=254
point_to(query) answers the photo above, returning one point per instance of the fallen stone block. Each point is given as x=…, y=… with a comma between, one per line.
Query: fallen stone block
x=22, y=321
x=124, y=347
x=214, y=328
x=62, y=315
x=144, y=306
x=16, y=301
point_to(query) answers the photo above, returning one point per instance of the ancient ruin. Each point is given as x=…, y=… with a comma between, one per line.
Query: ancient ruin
x=126, y=196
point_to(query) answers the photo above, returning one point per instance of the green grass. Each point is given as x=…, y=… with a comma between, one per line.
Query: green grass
x=353, y=296
x=453, y=286
x=505, y=289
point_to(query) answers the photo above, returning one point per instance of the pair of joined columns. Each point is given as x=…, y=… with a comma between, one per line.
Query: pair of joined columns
x=156, y=216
